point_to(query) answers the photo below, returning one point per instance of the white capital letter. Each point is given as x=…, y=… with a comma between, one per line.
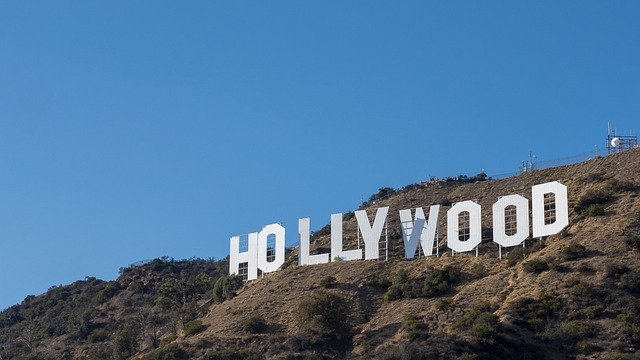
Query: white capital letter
x=475, y=226
x=250, y=256
x=304, y=258
x=559, y=191
x=371, y=234
x=263, y=236
x=336, y=241
x=522, y=220
x=420, y=229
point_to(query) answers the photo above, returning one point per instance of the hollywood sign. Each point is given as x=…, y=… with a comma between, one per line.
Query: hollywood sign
x=546, y=199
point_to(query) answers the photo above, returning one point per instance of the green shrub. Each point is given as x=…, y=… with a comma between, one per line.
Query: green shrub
x=254, y=324
x=328, y=281
x=99, y=335
x=631, y=282
x=408, y=350
x=439, y=281
x=125, y=342
x=394, y=292
x=194, y=327
x=618, y=186
x=414, y=326
x=633, y=242
x=378, y=283
x=535, y=266
x=592, y=312
x=382, y=193
x=109, y=291
x=443, y=304
x=574, y=251
x=573, y=331
x=630, y=318
x=480, y=324
x=616, y=270
x=232, y=354
x=477, y=271
x=586, y=269
x=325, y=314
x=515, y=255
x=595, y=210
x=588, y=293
x=435, y=282
x=399, y=286
x=564, y=233
x=592, y=177
x=538, y=312
x=170, y=352
x=79, y=325
x=598, y=197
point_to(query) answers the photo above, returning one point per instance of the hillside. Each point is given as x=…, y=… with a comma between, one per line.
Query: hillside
x=571, y=295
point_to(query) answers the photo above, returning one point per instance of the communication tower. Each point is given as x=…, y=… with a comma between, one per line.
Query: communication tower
x=617, y=143
x=528, y=165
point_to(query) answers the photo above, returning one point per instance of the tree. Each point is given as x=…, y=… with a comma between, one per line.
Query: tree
x=125, y=342
x=226, y=287
x=151, y=323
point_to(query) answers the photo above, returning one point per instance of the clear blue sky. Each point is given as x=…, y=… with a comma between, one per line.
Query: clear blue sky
x=133, y=130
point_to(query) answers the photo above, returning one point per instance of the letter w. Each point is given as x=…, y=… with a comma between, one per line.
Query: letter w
x=419, y=229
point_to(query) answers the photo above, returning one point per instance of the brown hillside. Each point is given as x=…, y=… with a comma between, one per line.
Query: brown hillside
x=488, y=281
x=571, y=295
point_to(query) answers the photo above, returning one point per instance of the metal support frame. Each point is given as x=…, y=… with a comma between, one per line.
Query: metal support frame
x=626, y=141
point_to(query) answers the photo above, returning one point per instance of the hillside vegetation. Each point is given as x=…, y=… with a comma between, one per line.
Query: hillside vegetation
x=571, y=295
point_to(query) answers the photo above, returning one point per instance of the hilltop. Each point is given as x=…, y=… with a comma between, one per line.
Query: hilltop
x=574, y=294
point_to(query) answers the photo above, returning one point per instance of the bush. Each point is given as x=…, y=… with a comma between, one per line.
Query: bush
x=408, y=350
x=125, y=343
x=109, y=291
x=435, y=282
x=443, y=304
x=415, y=327
x=382, y=193
x=588, y=293
x=254, y=324
x=573, y=331
x=232, y=354
x=328, y=281
x=171, y=352
x=537, y=313
x=616, y=185
x=399, y=286
x=100, y=335
x=478, y=323
x=597, y=197
x=535, y=266
x=630, y=318
x=631, y=282
x=325, y=314
x=515, y=255
x=439, y=281
x=574, y=251
x=477, y=271
x=194, y=327
x=616, y=270
x=378, y=283
x=595, y=210
x=592, y=177
x=633, y=242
